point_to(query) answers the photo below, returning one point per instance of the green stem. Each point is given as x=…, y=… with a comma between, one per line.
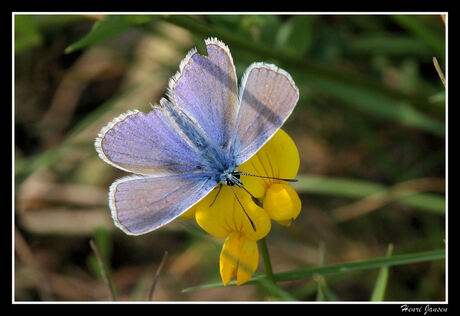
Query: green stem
x=341, y=268
x=269, y=281
x=267, y=262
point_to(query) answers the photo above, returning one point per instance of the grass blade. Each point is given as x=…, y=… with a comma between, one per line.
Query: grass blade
x=356, y=189
x=340, y=268
x=362, y=265
x=103, y=30
x=378, y=293
x=320, y=297
x=376, y=104
x=104, y=272
x=280, y=293
x=111, y=26
x=155, y=278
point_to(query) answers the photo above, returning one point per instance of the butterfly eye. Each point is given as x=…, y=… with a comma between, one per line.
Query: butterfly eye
x=236, y=174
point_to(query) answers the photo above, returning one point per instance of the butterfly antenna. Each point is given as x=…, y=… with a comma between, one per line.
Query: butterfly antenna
x=250, y=220
x=248, y=192
x=266, y=177
x=215, y=198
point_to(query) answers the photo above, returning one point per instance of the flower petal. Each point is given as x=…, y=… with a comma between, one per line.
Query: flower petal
x=284, y=155
x=278, y=158
x=282, y=203
x=226, y=214
x=213, y=218
x=259, y=218
x=249, y=260
x=229, y=257
x=239, y=257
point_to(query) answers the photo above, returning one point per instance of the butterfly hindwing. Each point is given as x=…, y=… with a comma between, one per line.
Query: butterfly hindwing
x=141, y=204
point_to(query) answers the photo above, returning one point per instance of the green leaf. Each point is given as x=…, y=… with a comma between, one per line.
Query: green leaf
x=112, y=26
x=103, y=30
x=352, y=188
x=378, y=293
x=340, y=268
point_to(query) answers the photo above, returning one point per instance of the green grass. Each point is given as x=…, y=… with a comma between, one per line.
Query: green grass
x=342, y=268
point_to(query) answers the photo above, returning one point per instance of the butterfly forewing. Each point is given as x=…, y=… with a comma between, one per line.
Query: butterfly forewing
x=268, y=96
x=146, y=143
x=206, y=89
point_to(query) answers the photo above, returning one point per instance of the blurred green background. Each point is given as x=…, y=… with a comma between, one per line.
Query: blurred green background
x=369, y=126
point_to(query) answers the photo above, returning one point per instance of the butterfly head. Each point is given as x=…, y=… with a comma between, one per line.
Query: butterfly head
x=231, y=177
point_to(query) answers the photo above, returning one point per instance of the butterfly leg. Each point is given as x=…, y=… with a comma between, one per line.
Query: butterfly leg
x=250, y=220
x=220, y=188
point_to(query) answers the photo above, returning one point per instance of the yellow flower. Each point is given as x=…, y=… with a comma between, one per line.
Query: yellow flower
x=276, y=200
x=278, y=158
x=226, y=219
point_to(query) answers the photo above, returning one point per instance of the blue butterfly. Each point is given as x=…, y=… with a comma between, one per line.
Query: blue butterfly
x=193, y=140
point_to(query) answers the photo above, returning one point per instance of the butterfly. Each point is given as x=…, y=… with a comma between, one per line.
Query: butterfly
x=194, y=139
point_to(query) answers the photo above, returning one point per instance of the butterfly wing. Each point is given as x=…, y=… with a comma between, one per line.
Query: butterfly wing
x=174, y=178
x=141, y=204
x=146, y=143
x=267, y=97
x=181, y=146
x=206, y=89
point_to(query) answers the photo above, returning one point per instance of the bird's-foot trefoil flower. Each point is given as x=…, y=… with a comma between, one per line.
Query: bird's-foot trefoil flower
x=272, y=199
